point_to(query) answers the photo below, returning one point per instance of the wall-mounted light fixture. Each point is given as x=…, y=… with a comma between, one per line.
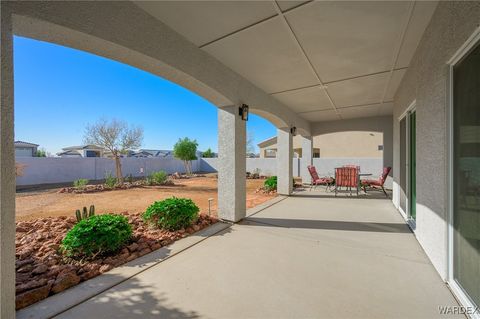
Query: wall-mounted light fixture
x=293, y=130
x=243, y=112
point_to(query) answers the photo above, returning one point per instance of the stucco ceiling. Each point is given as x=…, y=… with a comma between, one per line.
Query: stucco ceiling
x=326, y=60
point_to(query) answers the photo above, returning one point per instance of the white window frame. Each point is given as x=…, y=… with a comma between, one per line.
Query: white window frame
x=406, y=214
x=456, y=288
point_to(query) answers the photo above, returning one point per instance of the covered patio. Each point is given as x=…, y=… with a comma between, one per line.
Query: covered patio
x=301, y=257
x=310, y=68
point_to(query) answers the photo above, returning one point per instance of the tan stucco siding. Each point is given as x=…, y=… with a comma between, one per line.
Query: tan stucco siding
x=341, y=144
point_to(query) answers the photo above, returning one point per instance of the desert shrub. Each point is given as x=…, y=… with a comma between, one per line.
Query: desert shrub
x=80, y=183
x=110, y=180
x=84, y=213
x=270, y=183
x=97, y=235
x=172, y=213
x=157, y=178
x=129, y=178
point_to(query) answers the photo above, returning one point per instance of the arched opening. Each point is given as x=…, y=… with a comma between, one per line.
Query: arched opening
x=66, y=207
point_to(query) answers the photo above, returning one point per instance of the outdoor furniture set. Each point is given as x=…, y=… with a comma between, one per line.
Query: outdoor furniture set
x=349, y=177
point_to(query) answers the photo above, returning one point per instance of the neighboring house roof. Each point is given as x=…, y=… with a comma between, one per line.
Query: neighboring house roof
x=25, y=144
x=155, y=153
x=83, y=147
x=268, y=142
x=69, y=153
x=140, y=154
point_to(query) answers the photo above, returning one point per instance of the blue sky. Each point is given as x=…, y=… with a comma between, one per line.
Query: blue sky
x=59, y=90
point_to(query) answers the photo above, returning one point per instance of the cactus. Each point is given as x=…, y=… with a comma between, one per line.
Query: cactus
x=91, y=211
x=78, y=215
x=85, y=213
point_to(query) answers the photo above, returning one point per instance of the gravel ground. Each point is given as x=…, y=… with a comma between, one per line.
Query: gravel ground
x=50, y=203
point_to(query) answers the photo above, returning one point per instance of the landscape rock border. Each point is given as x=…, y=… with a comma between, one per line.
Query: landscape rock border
x=42, y=271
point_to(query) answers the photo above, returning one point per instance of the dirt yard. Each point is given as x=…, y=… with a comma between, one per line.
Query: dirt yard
x=35, y=204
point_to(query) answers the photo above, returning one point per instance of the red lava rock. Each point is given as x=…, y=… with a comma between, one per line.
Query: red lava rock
x=40, y=269
x=156, y=246
x=20, y=263
x=21, y=229
x=133, y=247
x=144, y=251
x=27, y=268
x=30, y=285
x=105, y=268
x=32, y=296
x=64, y=281
x=132, y=257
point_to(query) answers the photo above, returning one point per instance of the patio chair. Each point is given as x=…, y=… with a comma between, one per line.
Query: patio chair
x=376, y=183
x=346, y=177
x=316, y=180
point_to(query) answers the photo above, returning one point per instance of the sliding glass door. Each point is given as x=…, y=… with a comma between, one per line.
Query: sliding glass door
x=412, y=185
x=408, y=164
x=466, y=174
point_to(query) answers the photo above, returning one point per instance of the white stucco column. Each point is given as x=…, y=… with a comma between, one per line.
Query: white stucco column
x=231, y=164
x=7, y=168
x=284, y=161
x=307, y=159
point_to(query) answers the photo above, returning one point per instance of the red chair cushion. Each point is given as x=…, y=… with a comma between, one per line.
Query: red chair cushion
x=372, y=182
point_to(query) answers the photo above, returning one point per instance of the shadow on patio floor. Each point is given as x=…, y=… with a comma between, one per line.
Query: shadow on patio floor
x=327, y=225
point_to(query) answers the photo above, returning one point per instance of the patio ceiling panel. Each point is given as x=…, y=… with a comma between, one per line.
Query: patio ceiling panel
x=421, y=15
x=348, y=39
x=205, y=21
x=320, y=116
x=266, y=55
x=314, y=56
x=287, y=5
x=359, y=91
x=307, y=99
x=360, y=111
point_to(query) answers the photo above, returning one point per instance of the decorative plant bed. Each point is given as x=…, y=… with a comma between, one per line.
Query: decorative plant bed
x=103, y=188
x=41, y=270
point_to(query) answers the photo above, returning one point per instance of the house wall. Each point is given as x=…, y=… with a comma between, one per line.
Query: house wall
x=341, y=144
x=24, y=151
x=426, y=82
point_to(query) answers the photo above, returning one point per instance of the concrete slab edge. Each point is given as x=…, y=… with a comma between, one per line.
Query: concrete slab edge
x=59, y=303
x=257, y=209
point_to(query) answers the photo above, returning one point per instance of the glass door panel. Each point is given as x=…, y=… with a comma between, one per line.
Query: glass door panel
x=466, y=174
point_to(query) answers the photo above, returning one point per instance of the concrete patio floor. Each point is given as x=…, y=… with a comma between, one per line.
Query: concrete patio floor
x=308, y=256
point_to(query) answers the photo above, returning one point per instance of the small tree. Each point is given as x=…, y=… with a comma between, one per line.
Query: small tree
x=208, y=153
x=115, y=136
x=41, y=153
x=186, y=150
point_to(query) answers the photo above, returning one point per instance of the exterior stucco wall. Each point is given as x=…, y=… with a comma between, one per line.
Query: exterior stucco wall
x=340, y=144
x=382, y=124
x=426, y=82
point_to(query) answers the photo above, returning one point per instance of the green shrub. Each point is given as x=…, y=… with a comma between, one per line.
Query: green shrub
x=129, y=178
x=80, y=183
x=172, y=213
x=97, y=235
x=270, y=183
x=110, y=180
x=157, y=178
